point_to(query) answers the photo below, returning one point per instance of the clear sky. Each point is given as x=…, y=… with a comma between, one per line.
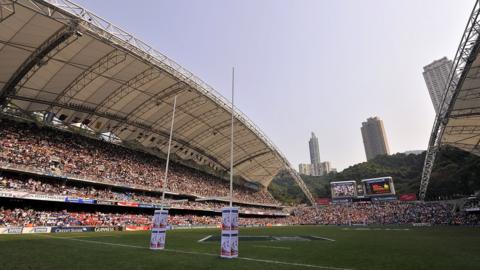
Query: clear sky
x=305, y=65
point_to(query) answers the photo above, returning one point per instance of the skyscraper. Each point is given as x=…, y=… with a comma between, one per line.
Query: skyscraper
x=315, y=155
x=305, y=169
x=436, y=77
x=374, y=138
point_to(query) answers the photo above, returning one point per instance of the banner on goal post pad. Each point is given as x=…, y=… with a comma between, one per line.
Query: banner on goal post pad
x=229, y=241
x=160, y=219
x=157, y=240
x=159, y=227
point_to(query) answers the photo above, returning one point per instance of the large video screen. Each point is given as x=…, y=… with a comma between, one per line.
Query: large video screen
x=379, y=186
x=344, y=189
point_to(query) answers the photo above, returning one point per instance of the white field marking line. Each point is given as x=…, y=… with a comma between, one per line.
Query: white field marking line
x=272, y=247
x=203, y=239
x=323, y=238
x=201, y=253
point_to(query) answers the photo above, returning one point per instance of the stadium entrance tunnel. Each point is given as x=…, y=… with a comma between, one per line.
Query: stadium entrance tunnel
x=268, y=238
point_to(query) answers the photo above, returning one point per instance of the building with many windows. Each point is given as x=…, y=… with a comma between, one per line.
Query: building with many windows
x=374, y=138
x=436, y=77
x=315, y=155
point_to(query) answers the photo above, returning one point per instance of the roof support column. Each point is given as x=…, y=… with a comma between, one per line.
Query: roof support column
x=301, y=184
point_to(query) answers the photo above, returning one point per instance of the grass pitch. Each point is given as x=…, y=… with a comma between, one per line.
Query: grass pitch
x=353, y=248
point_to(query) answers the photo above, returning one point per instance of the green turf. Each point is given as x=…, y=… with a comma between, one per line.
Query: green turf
x=416, y=248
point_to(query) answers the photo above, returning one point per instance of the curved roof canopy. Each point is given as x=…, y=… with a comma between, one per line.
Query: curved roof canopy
x=462, y=128
x=57, y=57
x=458, y=122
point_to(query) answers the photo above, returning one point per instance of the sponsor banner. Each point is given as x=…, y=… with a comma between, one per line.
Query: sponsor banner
x=157, y=240
x=6, y=194
x=30, y=196
x=421, y=224
x=79, y=200
x=229, y=218
x=105, y=202
x=159, y=227
x=11, y=230
x=105, y=229
x=44, y=197
x=72, y=229
x=137, y=228
x=160, y=219
x=36, y=229
x=323, y=201
x=144, y=205
x=388, y=198
x=408, y=197
x=229, y=244
x=225, y=250
x=341, y=200
x=229, y=239
x=131, y=204
x=234, y=244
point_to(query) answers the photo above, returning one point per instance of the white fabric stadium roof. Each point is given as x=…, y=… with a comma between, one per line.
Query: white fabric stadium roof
x=57, y=57
x=463, y=123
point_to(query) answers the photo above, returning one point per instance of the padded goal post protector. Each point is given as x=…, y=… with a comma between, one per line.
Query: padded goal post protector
x=229, y=239
x=159, y=228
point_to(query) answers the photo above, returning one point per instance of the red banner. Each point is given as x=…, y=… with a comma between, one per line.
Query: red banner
x=323, y=201
x=137, y=228
x=132, y=204
x=408, y=197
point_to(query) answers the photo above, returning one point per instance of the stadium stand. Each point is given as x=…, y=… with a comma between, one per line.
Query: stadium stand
x=80, y=76
x=386, y=213
x=63, y=153
x=31, y=217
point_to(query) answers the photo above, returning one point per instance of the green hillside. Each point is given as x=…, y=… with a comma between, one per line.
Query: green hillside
x=456, y=173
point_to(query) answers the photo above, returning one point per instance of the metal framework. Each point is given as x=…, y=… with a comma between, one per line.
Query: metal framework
x=35, y=59
x=301, y=184
x=86, y=70
x=7, y=9
x=466, y=54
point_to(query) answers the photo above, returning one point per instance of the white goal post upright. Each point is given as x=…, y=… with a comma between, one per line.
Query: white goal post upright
x=160, y=217
x=229, y=235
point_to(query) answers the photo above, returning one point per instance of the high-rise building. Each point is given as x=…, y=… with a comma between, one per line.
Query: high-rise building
x=436, y=77
x=315, y=155
x=374, y=138
x=326, y=167
x=305, y=169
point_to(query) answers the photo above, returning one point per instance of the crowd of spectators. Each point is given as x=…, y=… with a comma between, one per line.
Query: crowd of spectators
x=60, y=152
x=384, y=213
x=30, y=217
x=365, y=213
x=66, y=189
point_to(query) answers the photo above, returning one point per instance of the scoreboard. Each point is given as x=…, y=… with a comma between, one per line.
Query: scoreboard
x=378, y=186
x=343, y=189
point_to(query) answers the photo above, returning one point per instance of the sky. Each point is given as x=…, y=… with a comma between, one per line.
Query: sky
x=305, y=66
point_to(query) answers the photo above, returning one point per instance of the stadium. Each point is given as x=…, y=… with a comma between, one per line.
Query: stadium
x=85, y=115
